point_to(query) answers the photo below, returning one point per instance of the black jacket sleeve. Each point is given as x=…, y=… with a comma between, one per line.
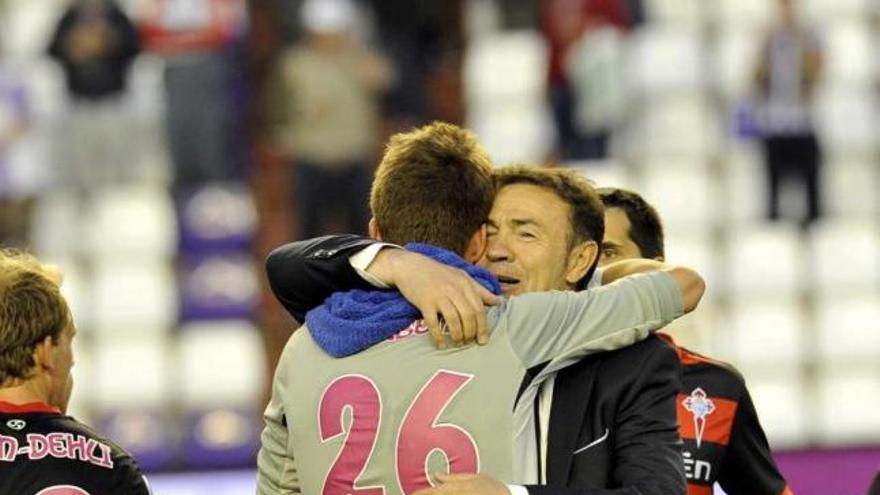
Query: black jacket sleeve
x=303, y=274
x=646, y=449
x=748, y=466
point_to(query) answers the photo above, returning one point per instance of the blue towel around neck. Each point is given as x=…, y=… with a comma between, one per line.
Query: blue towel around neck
x=349, y=322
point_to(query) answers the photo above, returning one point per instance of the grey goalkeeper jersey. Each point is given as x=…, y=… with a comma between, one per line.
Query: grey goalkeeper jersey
x=381, y=422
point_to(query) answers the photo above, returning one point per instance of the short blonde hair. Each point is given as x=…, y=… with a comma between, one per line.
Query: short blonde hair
x=31, y=309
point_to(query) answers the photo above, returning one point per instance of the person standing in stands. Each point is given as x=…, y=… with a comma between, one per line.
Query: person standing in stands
x=42, y=450
x=329, y=117
x=95, y=44
x=787, y=74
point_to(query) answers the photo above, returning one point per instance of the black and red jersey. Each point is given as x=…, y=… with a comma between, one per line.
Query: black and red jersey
x=723, y=439
x=45, y=452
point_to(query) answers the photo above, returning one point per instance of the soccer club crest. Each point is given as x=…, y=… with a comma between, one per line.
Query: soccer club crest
x=700, y=406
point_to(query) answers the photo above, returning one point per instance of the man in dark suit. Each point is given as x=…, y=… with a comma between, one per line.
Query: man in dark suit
x=606, y=425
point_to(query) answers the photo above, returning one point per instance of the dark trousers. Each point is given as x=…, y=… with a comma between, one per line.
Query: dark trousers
x=325, y=194
x=793, y=157
x=572, y=142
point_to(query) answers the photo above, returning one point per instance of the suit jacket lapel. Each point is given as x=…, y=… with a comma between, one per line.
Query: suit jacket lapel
x=567, y=417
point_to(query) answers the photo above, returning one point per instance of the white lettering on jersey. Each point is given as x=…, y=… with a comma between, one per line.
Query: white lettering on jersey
x=69, y=446
x=696, y=470
x=8, y=448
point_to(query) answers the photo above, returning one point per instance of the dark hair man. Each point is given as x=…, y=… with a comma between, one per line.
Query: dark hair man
x=607, y=422
x=723, y=439
x=43, y=451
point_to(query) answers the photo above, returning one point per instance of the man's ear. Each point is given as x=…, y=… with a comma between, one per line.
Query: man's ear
x=580, y=259
x=375, y=232
x=477, y=245
x=43, y=356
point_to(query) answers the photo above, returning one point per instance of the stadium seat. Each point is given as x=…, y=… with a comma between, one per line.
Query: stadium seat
x=849, y=53
x=513, y=132
x=779, y=400
x=767, y=333
x=745, y=186
x=605, y=173
x=214, y=286
x=686, y=197
x=56, y=230
x=850, y=189
x=845, y=257
x=766, y=260
x=849, y=398
x=848, y=328
x=734, y=62
x=699, y=251
x=504, y=78
x=134, y=297
x=220, y=363
x=676, y=127
x=217, y=217
x=132, y=221
x=666, y=59
x=505, y=67
x=132, y=372
x=821, y=11
x=674, y=12
x=743, y=13
x=223, y=372
x=847, y=119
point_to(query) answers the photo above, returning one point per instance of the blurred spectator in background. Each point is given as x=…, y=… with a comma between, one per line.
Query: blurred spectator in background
x=328, y=121
x=594, y=64
x=425, y=44
x=16, y=185
x=196, y=39
x=95, y=43
x=788, y=71
x=583, y=24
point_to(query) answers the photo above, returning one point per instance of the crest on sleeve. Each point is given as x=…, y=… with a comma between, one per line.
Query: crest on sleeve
x=700, y=406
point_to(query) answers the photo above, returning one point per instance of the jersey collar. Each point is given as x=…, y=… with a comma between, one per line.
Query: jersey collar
x=30, y=407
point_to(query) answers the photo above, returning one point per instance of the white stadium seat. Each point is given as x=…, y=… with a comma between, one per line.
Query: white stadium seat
x=504, y=78
x=133, y=220
x=845, y=257
x=766, y=260
x=848, y=329
x=743, y=13
x=767, y=333
x=686, y=197
x=847, y=119
x=675, y=12
x=666, y=59
x=850, y=188
x=849, y=53
x=734, y=63
x=849, y=398
x=220, y=363
x=134, y=297
x=745, y=185
x=680, y=126
x=779, y=400
x=132, y=372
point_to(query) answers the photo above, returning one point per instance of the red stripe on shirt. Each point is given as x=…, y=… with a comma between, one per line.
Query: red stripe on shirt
x=30, y=407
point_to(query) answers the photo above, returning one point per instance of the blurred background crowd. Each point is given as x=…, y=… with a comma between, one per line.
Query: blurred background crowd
x=158, y=149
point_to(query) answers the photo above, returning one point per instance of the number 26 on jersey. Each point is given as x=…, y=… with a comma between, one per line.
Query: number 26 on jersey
x=418, y=435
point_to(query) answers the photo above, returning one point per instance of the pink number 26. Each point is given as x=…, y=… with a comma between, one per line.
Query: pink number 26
x=418, y=436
